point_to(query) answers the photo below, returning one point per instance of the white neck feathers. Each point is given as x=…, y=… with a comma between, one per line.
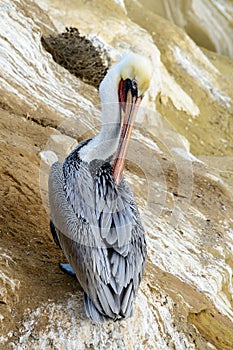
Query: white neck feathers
x=105, y=143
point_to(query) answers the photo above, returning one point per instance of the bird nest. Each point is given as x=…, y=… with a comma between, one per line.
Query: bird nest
x=78, y=54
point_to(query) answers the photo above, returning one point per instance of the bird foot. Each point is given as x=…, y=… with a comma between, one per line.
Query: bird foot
x=67, y=268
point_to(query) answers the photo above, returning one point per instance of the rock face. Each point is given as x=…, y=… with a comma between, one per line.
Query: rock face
x=208, y=23
x=186, y=203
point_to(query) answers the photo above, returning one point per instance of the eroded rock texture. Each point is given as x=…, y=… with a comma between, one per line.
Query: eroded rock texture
x=185, y=299
x=209, y=23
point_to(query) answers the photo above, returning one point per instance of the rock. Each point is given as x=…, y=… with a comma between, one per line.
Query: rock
x=185, y=299
x=208, y=23
x=49, y=157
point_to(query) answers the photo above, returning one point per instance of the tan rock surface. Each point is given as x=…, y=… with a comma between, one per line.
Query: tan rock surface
x=185, y=300
x=208, y=23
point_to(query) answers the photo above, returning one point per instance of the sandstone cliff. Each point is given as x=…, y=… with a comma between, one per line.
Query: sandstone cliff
x=184, y=192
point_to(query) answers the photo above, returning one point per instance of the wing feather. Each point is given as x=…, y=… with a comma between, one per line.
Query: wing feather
x=109, y=271
x=128, y=299
x=108, y=301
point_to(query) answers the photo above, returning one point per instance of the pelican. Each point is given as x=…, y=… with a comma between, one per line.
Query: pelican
x=94, y=217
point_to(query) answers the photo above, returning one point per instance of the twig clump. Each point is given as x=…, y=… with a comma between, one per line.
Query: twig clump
x=77, y=54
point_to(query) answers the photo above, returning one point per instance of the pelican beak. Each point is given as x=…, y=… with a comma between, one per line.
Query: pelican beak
x=129, y=102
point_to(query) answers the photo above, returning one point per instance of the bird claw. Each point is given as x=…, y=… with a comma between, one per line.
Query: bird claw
x=67, y=268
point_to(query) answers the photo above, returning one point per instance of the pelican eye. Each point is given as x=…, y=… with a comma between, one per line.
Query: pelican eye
x=134, y=84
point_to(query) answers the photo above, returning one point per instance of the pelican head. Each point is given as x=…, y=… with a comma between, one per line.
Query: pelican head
x=135, y=72
x=136, y=68
x=121, y=93
x=132, y=68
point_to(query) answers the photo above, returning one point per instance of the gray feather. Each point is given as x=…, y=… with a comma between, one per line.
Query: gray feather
x=92, y=312
x=115, y=262
x=103, y=295
x=83, y=214
x=110, y=300
x=123, y=250
x=128, y=298
x=112, y=236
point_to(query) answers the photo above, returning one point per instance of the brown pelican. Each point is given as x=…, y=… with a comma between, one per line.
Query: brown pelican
x=94, y=217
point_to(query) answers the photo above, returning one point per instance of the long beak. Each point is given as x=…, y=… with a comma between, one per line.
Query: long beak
x=129, y=110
